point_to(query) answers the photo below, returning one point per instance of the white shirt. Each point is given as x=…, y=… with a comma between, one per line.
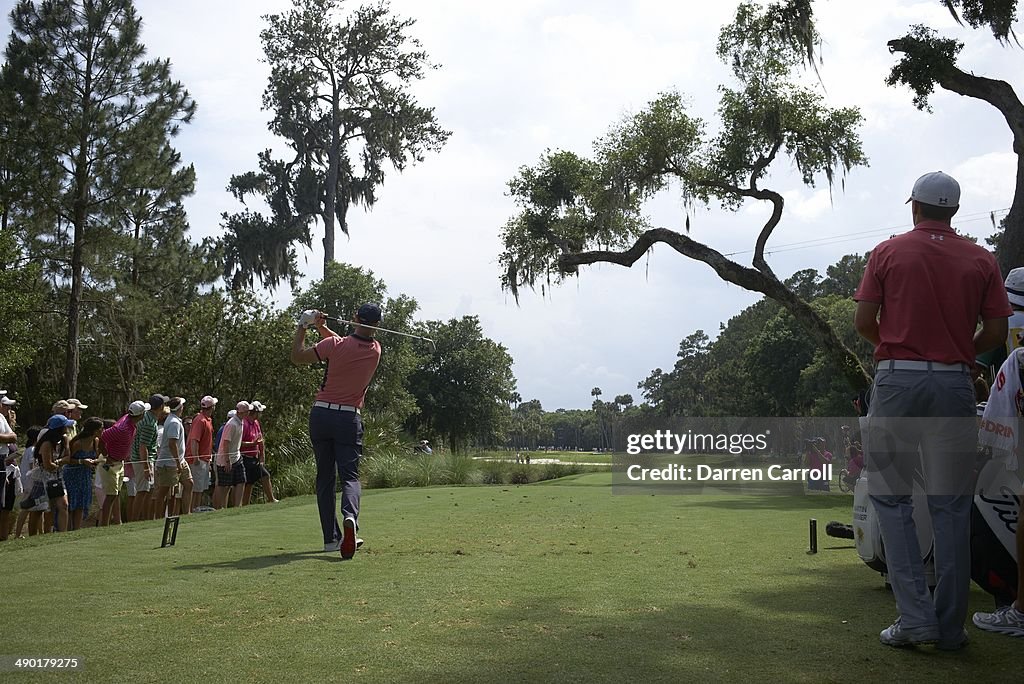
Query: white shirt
x=172, y=429
x=28, y=462
x=6, y=448
x=231, y=440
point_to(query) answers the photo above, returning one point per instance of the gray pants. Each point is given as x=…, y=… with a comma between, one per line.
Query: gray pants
x=923, y=425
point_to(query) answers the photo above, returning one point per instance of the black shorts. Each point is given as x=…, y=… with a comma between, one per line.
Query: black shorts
x=254, y=470
x=229, y=477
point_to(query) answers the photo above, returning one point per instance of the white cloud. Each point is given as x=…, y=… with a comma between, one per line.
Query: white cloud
x=808, y=205
x=988, y=177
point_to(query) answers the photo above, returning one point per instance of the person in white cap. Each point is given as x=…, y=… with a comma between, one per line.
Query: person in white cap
x=1009, y=619
x=75, y=412
x=171, y=467
x=254, y=456
x=230, y=471
x=8, y=440
x=919, y=303
x=144, y=446
x=1014, y=285
x=200, y=449
x=115, y=448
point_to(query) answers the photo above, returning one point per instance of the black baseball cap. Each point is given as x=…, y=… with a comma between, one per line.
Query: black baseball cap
x=158, y=400
x=369, y=313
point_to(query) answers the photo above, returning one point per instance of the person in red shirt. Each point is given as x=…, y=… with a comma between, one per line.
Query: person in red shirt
x=199, y=449
x=919, y=303
x=335, y=424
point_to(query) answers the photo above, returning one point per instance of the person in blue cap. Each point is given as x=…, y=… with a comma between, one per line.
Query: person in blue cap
x=51, y=451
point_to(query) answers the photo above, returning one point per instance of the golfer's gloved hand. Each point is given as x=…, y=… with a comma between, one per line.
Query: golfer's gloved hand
x=308, y=317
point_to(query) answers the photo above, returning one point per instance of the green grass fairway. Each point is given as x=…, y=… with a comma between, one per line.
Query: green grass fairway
x=558, y=581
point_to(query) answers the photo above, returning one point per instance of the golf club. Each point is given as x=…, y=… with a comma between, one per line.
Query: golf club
x=373, y=327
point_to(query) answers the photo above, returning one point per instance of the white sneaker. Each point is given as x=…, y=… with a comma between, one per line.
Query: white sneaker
x=333, y=546
x=1005, y=620
x=359, y=542
x=897, y=635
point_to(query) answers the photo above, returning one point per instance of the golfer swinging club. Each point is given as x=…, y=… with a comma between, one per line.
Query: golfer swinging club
x=335, y=424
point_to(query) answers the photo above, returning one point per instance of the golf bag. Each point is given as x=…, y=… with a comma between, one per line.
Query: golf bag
x=868, y=534
x=995, y=515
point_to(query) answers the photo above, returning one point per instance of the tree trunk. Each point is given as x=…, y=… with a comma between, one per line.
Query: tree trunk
x=1010, y=246
x=999, y=94
x=81, y=172
x=748, y=278
x=75, y=299
x=331, y=191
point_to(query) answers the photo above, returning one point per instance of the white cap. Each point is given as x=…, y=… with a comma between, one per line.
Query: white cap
x=7, y=401
x=75, y=403
x=243, y=406
x=936, y=189
x=258, y=406
x=1014, y=284
x=232, y=413
x=137, y=408
x=208, y=401
x=3, y=392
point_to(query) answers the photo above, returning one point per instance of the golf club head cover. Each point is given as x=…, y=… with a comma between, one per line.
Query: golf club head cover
x=307, y=318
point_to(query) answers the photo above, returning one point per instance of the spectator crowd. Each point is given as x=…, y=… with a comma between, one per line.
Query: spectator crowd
x=154, y=460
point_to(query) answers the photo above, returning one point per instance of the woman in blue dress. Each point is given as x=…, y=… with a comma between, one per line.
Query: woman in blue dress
x=78, y=473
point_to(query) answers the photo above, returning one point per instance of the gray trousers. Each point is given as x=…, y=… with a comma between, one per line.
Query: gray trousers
x=923, y=426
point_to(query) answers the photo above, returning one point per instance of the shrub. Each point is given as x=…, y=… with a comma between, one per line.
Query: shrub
x=384, y=469
x=425, y=471
x=296, y=479
x=460, y=469
x=520, y=473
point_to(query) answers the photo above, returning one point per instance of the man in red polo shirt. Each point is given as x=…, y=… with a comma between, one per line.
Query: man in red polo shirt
x=919, y=303
x=335, y=424
x=199, y=449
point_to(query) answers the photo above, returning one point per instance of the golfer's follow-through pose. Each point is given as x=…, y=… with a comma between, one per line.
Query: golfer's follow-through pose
x=335, y=424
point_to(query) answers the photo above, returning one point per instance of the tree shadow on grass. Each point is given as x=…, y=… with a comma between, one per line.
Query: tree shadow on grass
x=810, y=626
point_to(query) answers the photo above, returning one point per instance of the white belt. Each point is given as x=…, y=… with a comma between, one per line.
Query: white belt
x=336, y=407
x=894, y=364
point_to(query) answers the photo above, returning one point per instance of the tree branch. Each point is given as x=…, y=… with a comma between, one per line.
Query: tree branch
x=999, y=94
x=767, y=196
x=730, y=271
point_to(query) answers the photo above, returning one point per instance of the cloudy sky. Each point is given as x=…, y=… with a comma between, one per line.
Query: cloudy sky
x=519, y=77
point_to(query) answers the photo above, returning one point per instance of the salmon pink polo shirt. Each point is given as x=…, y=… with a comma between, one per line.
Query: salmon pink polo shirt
x=202, y=432
x=350, y=363
x=932, y=285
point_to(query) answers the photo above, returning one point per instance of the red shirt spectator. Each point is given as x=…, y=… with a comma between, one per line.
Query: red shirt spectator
x=117, y=440
x=201, y=432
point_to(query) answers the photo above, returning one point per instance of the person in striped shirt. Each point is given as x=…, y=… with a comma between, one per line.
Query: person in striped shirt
x=142, y=451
